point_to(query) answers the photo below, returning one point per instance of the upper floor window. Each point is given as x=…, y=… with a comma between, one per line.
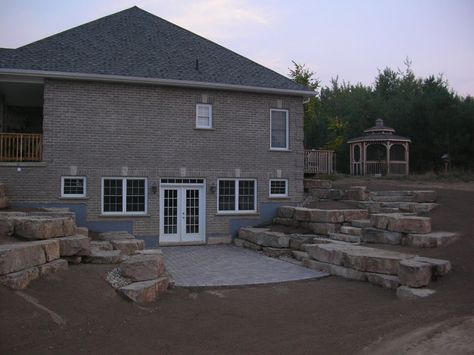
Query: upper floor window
x=203, y=116
x=124, y=196
x=73, y=186
x=278, y=129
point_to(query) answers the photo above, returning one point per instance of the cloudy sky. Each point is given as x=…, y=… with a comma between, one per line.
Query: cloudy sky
x=351, y=39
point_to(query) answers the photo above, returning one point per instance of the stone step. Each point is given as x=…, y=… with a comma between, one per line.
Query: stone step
x=145, y=291
x=380, y=236
x=276, y=252
x=142, y=267
x=265, y=237
x=128, y=246
x=40, y=227
x=98, y=256
x=410, y=293
x=430, y=240
x=291, y=260
x=351, y=230
x=400, y=222
x=361, y=223
x=317, y=184
x=75, y=245
x=299, y=255
x=344, y=237
x=395, y=198
x=335, y=270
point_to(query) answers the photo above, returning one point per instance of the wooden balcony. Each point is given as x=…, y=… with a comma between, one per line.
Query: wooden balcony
x=319, y=161
x=21, y=147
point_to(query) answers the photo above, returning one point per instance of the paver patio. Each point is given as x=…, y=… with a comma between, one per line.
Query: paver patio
x=227, y=265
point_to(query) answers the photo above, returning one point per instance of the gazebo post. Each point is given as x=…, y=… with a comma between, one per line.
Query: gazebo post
x=364, y=150
x=351, y=159
x=407, y=158
x=388, y=145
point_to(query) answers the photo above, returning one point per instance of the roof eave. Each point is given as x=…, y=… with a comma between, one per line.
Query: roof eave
x=34, y=75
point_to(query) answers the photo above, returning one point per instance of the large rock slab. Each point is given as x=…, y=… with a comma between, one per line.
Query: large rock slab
x=82, y=231
x=351, y=230
x=323, y=228
x=335, y=270
x=355, y=214
x=103, y=257
x=356, y=193
x=251, y=234
x=302, y=214
x=53, y=267
x=276, y=252
x=21, y=279
x=286, y=211
x=430, y=240
x=298, y=240
x=361, y=223
x=4, y=203
x=299, y=255
x=128, y=246
x=74, y=245
x=425, y=196
x=357, y=257
x=400, y=222
x=6, y=227
x=145, y=291
x=326, y=216
x=408, y=293
x=386, y=281
x=36, y=227
x=50, y=247
x=414, y=273
x=380, y=236
x=115, y=235
x=265, y=237
x=286, y=221
x=101, y=245
x=143, y=267
x=242, y=243
x=349, y=238
x=20, y=256
x=439, y=267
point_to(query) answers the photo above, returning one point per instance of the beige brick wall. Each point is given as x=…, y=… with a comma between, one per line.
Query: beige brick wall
x=99, y=128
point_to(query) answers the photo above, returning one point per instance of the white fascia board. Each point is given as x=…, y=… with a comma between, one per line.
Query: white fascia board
x=42, y=74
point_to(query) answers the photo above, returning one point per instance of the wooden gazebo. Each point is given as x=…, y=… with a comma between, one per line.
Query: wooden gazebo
x=379, y=152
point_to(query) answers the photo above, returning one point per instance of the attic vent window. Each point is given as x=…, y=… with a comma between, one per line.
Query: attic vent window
x=197, y=64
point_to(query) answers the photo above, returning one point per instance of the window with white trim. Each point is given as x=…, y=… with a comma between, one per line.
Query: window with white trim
x=237, y=195
x=278, y=188
x=278, y=129
x=203, y=116
x=73, y=186
x=124, y=196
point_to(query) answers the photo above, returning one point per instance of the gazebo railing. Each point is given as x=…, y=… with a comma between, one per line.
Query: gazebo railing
x=398, y=167
x=376, y=168
x=380, y=168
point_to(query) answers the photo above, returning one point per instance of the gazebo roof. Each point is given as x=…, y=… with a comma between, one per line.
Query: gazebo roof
x=379, y=132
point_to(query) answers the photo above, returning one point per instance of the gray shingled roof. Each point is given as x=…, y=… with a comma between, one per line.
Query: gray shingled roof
x=378, y=137
x=136, y=43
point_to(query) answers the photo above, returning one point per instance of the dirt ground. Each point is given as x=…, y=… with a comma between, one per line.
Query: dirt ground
x=76, y=312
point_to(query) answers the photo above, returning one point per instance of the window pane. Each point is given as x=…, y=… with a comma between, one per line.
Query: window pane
x=73, y=186
x=170, y=211
x=135, y=195
x=278, y=127
x=227, y=195
x=203, y=116
x=203, y=121
x=113, y=195
x=246, y=195
x=278, y=187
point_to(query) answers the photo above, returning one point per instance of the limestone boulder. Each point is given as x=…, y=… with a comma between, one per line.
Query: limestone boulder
x=73, y=260
x=128, y=246
x=327, y=253
x=115, y=235
x=53, y=267
x=374, y=260
x=286, y=211
x=414, y=273
x=145, y=291
x=276, y=252
x=251, y=234
x=349, y=238
x=409, y=293
x=103, y=257
x=82, y=231
x=74, y=245
x=323, y=228
x=20, y=256
x=297, y=240
x=335, y=194
x=425, y=196
x=439, y=267
x=51, y=248
x=326, y=216
x=386, y=281
x=35, y=227
x=334, y=270
x=4, y=202
x=430, y=240
x=355, y=214
x=351, y=230
x=141, y=267
x=6, y=227
x=380, y=236
x=286, y=221
x=356, y=193
x=21, y=279
x=299, y=255
x=409, y=224
x=246, y=244
x=101, y=245
x=361, y=223
x=302, y=214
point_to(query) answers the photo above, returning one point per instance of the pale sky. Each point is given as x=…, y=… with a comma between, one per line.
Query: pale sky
x=351, y=39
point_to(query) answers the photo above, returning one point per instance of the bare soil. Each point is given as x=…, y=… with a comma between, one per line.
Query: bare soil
x=77, y=312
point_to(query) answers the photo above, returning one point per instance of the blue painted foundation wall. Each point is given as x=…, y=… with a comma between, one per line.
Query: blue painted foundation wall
x=267, y=212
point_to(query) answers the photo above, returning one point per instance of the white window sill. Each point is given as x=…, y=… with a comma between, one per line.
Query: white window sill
x=204, y=128
x=73, y=198
x=126, y=215
x=24, y=164
x=279, y=150
x=279, y=197
x=238, y=213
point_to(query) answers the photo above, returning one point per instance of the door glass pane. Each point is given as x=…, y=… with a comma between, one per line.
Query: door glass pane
x=192, y=211
x=170, y=211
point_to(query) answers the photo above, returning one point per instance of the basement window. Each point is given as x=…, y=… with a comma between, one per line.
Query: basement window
x=73, y=186
x=278, y=188
x=237, y=196
x=124, y=196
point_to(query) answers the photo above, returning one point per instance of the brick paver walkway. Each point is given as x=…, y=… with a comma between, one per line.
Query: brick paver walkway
x=228, y=265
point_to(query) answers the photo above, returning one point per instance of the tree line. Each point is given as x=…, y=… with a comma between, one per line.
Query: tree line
x=426, y=110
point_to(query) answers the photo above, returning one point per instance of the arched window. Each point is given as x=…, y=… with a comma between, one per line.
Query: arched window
x=397, y=152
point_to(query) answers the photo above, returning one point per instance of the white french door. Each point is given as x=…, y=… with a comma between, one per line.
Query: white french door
x=182, y=213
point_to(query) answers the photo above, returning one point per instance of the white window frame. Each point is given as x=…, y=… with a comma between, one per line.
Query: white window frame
x=277, y=195
x=236, y=207
x=287, y=130
x=83, y=195
x=124, y=196
x=210, y=116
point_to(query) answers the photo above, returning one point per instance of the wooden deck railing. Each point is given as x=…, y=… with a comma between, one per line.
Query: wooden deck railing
x=21, y=147
x=319, y=161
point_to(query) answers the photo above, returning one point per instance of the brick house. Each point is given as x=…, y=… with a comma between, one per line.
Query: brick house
x=137, y=124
